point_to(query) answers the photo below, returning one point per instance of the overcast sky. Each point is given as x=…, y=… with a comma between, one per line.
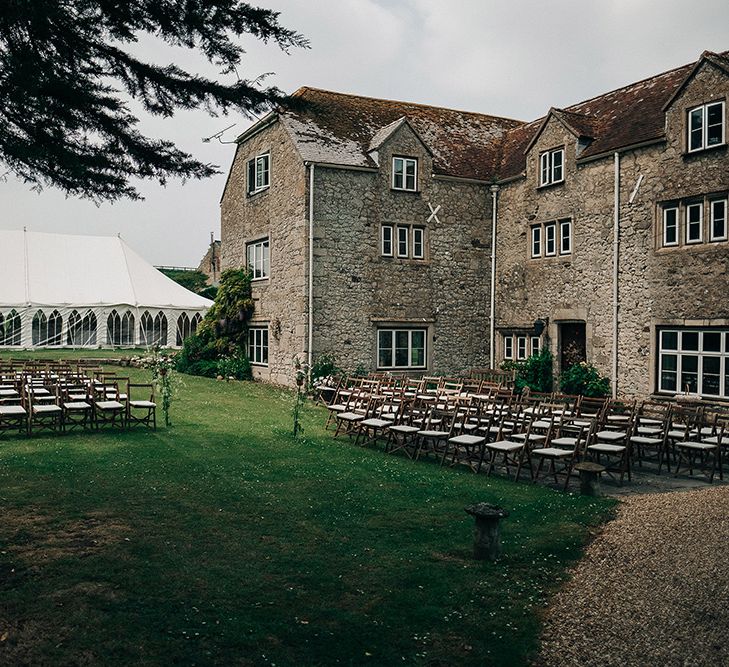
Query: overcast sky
x=513, y=58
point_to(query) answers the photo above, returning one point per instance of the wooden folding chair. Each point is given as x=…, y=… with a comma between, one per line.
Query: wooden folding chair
x=141, y=411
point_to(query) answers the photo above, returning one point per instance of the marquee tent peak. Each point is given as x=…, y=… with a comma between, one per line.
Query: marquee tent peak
x=61, y=270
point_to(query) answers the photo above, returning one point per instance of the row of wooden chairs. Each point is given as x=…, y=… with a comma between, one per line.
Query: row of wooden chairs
x=545, y=433
x=36, y=402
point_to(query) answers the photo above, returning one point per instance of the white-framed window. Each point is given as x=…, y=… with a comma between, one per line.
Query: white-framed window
x=718, y=230
x=544, y=241
x=259, y=173
x=508, y=347
x=386, y=241
x=536, y=241
x=401, y=348
x=694, y=222
x=258, y=346
x=551, y=166
x=694, y=360
x=521, y=348
x=550, y=241
x=670, y=226
x=402, y=241
x=418, y=243
x=258, y=259
x=536, y=343
x=404, y=173
x=705, y=126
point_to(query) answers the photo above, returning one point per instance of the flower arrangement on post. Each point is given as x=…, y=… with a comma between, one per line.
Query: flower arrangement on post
x=164, y=378
x=301, y=373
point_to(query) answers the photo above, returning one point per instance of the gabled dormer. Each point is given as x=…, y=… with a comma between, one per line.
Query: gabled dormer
x=402, y=156
x=555, y=146
x=696, y=113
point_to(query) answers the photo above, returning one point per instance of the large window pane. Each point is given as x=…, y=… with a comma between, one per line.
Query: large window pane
x=712, y=341
x=402, y=348
x=385, y=349
x=669, y=340
x=689, y=373
x=711, y=376
x=669, y=375
x=690, y=341
x=417, y=357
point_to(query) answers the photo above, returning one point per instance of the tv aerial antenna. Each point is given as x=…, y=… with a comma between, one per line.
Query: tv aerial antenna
x=217, y=135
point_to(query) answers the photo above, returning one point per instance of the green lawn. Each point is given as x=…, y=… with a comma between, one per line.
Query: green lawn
x=223, y=540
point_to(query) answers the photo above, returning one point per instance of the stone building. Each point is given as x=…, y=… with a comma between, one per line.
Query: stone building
x=212, y=262
x=610, y=245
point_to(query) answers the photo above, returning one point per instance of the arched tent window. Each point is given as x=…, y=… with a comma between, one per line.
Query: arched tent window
x=88, y=328
x=184, y=328
x=10, y=329
x=127, y=329
x=145, y=329
x=55, y=323
x=195, y=323
x=113, y=328
x=160, y=329
x=40, y=328
x=74, y=336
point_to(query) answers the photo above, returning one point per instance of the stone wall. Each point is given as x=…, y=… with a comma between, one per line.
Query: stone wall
x=684, y=285
x=357, y=289
x=278, y=212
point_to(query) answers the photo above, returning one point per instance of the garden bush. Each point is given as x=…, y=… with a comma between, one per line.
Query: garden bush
x=535, y=372
x=219, y=345
x=585, y=379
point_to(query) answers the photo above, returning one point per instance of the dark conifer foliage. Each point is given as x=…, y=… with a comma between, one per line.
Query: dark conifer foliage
x=67, y=74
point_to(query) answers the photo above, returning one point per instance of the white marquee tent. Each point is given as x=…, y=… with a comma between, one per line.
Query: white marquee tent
x=88, y=291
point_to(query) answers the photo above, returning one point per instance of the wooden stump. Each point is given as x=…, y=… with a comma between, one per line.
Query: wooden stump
x=590, y=478
x=487, y=534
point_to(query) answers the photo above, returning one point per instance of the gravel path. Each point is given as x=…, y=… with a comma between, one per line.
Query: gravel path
x=652, y=589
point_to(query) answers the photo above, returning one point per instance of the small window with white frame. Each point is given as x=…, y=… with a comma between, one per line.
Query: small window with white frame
x=401, y=348
x=259, y=173
x=386, y=241
x=552, y=238
x=565, y=237
x=258, y=346
x=718, y=229
x=258, y=259
x=536, y=241
x=706, y=126
x=550, y=241
x=536, y=345
x=694, y=222
x=521, y=348
x=404, y=174
x=508, y=347
x=402, y=242
x=418, y=243
x=670, y=226
x=551, y=166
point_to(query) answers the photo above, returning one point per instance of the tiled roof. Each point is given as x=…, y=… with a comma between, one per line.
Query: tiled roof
x=336, y=128
x=625, y=117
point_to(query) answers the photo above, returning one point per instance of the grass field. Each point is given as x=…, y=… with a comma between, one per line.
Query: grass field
x=223, y=540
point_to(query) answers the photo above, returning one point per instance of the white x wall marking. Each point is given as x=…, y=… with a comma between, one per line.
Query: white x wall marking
x=433, y=212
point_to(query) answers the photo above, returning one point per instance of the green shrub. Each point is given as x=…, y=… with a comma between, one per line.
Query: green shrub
x=219, y=346
x=236, y=366
x=324, y=365
x=535, y=372
x=585, y=379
